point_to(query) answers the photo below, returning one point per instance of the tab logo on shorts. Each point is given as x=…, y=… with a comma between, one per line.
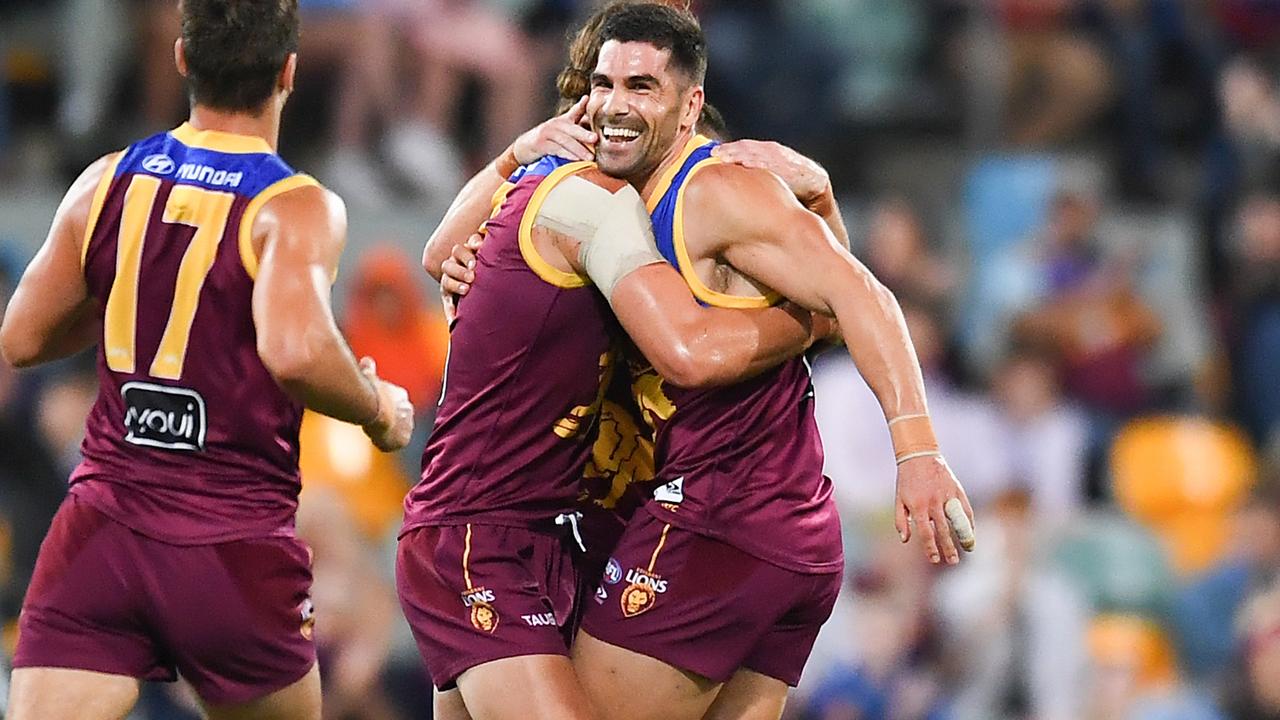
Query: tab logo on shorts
x=163, y=417
x=642, y=592
x=672, y=492
x=540, y=620
x=483, y=616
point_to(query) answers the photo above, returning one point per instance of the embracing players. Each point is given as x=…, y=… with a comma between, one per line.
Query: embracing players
x=200, y=263
x=486, y=568
x=720, y=584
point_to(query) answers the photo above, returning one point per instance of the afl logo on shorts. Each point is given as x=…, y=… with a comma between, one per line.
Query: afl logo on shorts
x=613, y=572
x=307, y=612
x=158, y=164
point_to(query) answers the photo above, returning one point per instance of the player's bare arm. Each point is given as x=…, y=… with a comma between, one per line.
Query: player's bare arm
x=299, y=237
x=754, y=223
x=51, y=314
x=804, y=176
x=562, y=135
x=598, y=226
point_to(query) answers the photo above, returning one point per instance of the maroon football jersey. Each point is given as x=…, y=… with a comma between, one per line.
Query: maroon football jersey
x=191, y=440
x=741, y=463
x=529, y=356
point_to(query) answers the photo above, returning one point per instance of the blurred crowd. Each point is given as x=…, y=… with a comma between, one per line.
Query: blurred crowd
x=1077, y=203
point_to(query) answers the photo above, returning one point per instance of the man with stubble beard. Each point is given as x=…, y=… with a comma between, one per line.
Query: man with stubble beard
x=721, y=581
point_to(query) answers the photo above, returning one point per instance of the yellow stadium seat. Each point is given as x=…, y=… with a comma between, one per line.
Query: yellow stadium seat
x=339, y=456
x=1183, y=477
x=1134, y=644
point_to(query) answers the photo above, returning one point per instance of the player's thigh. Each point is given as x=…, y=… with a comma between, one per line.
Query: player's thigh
x=448, y=705
x=528, y=687
x=299, y=701
x=38, y=693
x=626, y=685
x=749, y=695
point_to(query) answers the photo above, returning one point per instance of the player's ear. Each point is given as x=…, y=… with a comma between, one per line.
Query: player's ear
x=693, y=103
x=287, y=73
x=180, y=57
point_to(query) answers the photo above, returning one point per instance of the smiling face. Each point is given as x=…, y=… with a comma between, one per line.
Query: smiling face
x=641, y=107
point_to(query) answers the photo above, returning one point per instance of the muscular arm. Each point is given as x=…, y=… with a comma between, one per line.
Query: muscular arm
x=51, y=314
x=751, y=220
x=754, y=222
x=805, y=178
x=605, y=233
x=694, y=346
x=302, y=234
x=561, y=135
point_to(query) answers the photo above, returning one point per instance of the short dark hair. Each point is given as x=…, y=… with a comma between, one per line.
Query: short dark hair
x=235, y=49
x=664, y=27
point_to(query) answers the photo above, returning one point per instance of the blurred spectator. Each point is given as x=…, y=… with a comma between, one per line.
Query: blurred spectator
x=96, y=35
x=347, y=46
x=1134, y=675
x=1257, y=695
x=859, y=456
x=1051, y=79
x=1092, y=318
x=758, y=48
x=1207, y=606
x=1256, y=314
x=1243, y=157
x=388, y=319
x=1151, y=48
x=34, y=466
x=889, y=668
x=898, y=252
x=455, y=41
x=1012, y=627
x=355, y=611
x=1046, y=438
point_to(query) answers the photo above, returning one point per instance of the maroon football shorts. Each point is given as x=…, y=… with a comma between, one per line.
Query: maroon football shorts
x=477, y=593
x=705, y=606
x=235, y=618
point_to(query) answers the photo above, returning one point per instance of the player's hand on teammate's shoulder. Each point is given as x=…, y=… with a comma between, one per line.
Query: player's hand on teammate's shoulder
x=457, y=272
x=930, y=503
x=391, y=427
x=562, y=135
x=803, y=176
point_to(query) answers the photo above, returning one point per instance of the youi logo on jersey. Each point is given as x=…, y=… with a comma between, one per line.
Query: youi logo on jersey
x=163, y=417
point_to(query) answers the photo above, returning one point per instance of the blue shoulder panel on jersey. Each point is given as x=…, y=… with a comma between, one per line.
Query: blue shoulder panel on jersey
x=163, y=156
x=541, y=167
x=664, y=213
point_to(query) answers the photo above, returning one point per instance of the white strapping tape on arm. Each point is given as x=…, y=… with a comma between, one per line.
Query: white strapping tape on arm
x=612, y=229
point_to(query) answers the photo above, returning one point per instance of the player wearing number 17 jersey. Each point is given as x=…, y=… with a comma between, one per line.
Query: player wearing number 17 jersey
x=200, y=263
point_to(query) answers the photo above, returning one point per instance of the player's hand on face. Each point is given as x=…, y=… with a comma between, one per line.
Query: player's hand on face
x=391, y=429
x=930, y=503
x=562, y=135
x=807, y=179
